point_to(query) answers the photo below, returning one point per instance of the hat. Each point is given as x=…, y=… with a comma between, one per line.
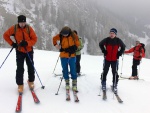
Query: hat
x=21, y=18
x=113, y=30
x=138, y=41
x=65, y=31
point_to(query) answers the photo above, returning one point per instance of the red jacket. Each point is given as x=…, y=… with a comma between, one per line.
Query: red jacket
x=111, y=46
x=138, y=52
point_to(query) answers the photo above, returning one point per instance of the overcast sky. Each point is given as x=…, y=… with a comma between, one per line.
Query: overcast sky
x=139, y=8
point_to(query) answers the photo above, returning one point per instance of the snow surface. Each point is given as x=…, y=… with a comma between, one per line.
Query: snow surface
x=135, y=94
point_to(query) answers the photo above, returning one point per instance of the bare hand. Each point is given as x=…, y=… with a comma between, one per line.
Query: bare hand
x=58, y=47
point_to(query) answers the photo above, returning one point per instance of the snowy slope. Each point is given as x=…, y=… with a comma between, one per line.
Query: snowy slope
x=135, y=94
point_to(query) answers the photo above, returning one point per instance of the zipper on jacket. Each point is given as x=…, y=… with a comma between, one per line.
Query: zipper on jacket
x=112, y=52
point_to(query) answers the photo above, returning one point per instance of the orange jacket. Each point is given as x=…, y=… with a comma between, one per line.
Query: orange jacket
x=66, y=43
x=30, y=38
x=138, y=54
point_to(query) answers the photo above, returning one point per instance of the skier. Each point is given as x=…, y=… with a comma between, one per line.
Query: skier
x=25, y=40
x=78, y=56
x=112, y=47
x=138, y=54
x=69, y=43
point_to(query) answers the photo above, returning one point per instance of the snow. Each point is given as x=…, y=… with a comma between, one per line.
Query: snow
x=135, y=94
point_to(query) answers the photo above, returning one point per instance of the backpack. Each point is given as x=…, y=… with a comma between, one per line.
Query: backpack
x=142, y=47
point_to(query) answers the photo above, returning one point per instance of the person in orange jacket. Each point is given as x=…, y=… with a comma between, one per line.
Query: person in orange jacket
x=68, y=44
x=25, y=40
x=138, y=53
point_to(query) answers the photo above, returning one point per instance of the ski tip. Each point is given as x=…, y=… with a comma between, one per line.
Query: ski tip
x=37, y=102
x=120, y=102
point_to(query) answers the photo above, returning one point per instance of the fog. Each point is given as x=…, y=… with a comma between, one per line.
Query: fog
x=129, y=8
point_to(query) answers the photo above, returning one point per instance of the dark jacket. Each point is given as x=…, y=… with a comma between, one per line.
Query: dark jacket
x=112, y=48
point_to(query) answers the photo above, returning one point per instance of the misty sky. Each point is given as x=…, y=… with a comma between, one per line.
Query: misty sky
x=139, y=8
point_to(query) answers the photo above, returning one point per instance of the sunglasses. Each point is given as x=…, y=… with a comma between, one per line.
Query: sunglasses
x=65, y=35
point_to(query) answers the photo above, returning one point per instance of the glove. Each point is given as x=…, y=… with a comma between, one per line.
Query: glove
x=119, y=54
x=139, y=57
x=105, y=52
x=14, y=45
x=23, y=43
x=71, y=49
x=61, y=50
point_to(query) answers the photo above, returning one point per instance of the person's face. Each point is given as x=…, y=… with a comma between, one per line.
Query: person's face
x=65, y=35
x=22, y=24
x=112, y=35
x=137, y=43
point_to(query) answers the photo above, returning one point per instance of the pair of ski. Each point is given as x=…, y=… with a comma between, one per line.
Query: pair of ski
x=19, y=102
x=76, y=99
x=122, y=77
x=115, y=93
x=56, y=75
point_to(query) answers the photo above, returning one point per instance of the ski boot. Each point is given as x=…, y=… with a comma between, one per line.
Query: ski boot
x=67, y=84
x=20, y=89
x=114, y=89
x=133, y=78
x=74, y=85
x=31, y=85
x=103, y=86
x=78, y=74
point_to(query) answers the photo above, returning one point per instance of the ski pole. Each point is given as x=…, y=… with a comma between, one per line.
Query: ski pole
x=6, y=57
x=55, y=65
x=32, y=62
x=34, y=69
x=122, y=65
x=139, y=70
x=115, y=82
x=59, y=86
x=102, y=77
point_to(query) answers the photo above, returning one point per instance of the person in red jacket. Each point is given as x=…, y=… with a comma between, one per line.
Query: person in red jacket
x=112, y=47
x=138, y=53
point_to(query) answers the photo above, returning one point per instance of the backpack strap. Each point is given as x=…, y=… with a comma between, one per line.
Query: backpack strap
x=72, y=35
x=27, y=29
x=15, y=29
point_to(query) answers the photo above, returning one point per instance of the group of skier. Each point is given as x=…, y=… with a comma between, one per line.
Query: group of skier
x=70, y=46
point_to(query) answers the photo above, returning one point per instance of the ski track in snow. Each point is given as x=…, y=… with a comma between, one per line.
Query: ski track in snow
x=135, y=94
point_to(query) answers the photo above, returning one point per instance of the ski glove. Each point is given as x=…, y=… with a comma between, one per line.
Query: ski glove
x=105, y=52
x=119, y=54
x=14, y=45
x=139, y=56
x=23, y=43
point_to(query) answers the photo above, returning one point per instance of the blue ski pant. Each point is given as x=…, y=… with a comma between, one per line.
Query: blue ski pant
x=71, y=62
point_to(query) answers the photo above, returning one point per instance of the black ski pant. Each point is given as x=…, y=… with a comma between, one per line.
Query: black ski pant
x=114, y=66
x=20, y=58
x=78, y=66
x=134, y=67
